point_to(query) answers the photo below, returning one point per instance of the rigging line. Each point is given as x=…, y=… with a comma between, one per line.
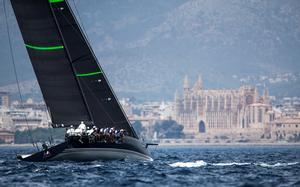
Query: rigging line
x=83, y=28
x=49, y=124
x=70, y=59
x=103, y=107
x=15, y=72
x=98, y=101
x=80, y=58
x=76, y=30
x=84, y=38
x=114, y=95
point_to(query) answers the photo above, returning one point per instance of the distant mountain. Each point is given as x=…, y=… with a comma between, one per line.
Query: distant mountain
x=146, y=47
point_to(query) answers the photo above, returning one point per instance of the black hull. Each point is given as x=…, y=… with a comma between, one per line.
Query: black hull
x=131, y=148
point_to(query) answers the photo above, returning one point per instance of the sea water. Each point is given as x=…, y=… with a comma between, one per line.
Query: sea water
x=180, y=166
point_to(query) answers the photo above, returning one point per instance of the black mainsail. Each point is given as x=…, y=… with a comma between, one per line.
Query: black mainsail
x=73, y=83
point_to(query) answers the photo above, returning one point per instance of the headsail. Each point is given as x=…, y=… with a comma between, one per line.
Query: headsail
x=72, y=82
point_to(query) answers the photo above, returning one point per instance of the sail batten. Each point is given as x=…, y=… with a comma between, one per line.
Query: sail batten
x=88, y=74
x=56, y=1
x=44, y=48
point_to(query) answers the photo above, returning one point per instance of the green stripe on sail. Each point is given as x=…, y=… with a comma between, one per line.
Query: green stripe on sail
x=49, y=48
x=88, y=74
x=56, y=1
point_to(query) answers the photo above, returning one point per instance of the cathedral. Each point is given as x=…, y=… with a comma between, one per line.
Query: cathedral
x=222, y=111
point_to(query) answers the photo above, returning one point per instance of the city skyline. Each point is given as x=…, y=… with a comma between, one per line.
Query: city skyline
x=146, y=56
x=249, y=114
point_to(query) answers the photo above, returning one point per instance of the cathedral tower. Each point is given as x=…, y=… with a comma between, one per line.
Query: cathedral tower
x=198, y=84
x=266, y=97
x=186, y=94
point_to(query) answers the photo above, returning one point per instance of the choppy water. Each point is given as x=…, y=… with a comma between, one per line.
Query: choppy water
x=186, y=166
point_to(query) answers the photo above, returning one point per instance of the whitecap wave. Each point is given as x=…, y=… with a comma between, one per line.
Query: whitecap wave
x=232, y=164
x=97, y=165
x=201, y=163
x=262, y=164
x=198, y=163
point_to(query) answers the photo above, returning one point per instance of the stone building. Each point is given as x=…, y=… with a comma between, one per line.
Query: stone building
x=286, y=128
x=6, y=137
x=222, y=111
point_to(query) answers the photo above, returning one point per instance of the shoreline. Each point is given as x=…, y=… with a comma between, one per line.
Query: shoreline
x=228, y=144
x=16, y=145
x=193, y=144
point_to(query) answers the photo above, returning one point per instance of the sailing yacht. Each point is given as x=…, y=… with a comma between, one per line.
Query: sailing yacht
x=73, y=84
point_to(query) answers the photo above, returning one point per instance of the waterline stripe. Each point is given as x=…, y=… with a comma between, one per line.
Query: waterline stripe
x=50, y=48
x=88, y=74
x=56, y=1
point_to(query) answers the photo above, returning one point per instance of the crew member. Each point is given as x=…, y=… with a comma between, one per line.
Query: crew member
x=70, y=131
x=81, y=128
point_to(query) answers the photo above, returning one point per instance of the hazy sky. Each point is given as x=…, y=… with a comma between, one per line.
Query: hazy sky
x=147, y=47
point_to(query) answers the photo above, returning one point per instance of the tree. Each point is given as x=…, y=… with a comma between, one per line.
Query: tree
x=138, y=127
x=38, y=135
x=168, y=129
x=2, y=141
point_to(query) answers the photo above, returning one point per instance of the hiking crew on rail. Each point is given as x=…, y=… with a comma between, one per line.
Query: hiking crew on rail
x=95, y=134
